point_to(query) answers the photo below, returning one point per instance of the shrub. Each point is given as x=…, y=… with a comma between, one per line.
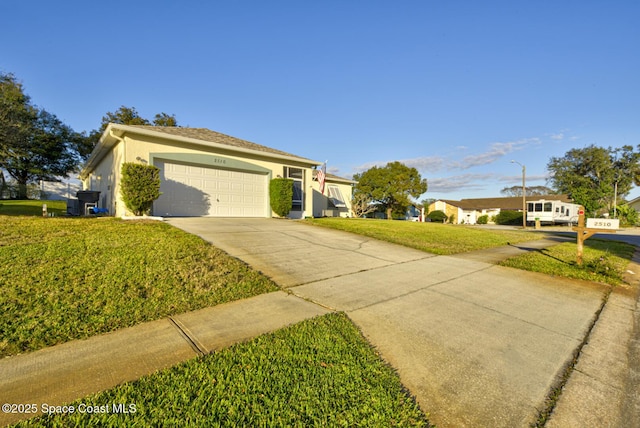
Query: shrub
x=483, y=219
x=627, y=215
x=437, y=216
x=281, y=195
x=513, y=218
x=140, y=186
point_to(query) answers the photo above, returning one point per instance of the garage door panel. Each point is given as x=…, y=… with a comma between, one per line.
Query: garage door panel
x=191, y=190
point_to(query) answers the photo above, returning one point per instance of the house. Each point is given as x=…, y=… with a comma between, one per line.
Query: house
x=635, y=204
x=206, y=173
x=467, y=211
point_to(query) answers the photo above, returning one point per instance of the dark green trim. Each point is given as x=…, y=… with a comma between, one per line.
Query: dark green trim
x=220, y=162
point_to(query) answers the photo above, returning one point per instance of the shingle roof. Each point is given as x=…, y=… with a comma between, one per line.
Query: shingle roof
x=510, y=203
x=205, y=134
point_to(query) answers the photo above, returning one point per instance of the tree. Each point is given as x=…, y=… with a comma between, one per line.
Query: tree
x=140, y=186
x=361, y=205
x=123, y=116
x=163, y=119
x=531, y=191
x=390, y=186
x=594, y=176
x=34, y=144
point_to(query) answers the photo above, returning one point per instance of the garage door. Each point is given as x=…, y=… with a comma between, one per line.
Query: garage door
x=191, y=190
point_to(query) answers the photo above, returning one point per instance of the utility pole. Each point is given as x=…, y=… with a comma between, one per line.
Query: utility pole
x=524, y=195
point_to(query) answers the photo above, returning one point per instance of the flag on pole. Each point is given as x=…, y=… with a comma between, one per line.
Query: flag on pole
x=322, y=173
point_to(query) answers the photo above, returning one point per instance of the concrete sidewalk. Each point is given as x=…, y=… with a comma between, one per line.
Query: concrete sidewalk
x=67, y=372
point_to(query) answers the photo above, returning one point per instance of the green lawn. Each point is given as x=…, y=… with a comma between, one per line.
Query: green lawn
x=320, y=372
x=32, y=207
x=72, y=278
x=434, y=238
x=603, y=261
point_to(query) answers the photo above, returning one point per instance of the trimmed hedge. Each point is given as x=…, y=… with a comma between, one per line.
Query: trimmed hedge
x=281, y=195
x=513, y=218
x=140, y=187
x=437, y=216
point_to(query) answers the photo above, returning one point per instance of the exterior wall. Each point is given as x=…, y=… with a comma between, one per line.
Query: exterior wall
x=321, y=205
x=105, y=178
x=449, y=210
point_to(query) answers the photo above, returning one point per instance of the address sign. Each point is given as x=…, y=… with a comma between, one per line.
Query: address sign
x=603, y=223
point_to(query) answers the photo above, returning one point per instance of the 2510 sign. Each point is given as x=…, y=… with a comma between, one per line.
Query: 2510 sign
x=603, y=223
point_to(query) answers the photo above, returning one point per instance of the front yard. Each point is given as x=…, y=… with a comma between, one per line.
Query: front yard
x=64, y=279
x=72, y=278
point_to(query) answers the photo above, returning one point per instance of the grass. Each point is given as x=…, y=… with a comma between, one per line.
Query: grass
x=603, y=261
x=320, y=372
x=32, y=207
x=436, y=238
x=72, y=278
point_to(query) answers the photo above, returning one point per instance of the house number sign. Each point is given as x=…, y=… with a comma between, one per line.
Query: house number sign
x=603, y=223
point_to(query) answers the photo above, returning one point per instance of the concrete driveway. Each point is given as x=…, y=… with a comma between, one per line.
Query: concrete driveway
x=477, y=344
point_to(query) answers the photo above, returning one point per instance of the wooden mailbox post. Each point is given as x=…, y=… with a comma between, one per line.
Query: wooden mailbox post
x=593, y=226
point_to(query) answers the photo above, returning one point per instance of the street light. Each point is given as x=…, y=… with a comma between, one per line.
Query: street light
x=524, y=195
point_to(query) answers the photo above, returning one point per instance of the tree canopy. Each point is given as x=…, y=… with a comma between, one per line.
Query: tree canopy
x=531, y=191
x=123, y=116
x=390, y=186
x=591, y=175
x=34, y=144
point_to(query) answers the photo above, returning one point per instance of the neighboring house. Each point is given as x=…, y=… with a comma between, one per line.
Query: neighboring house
x=205, y=173
x=59, y=190
x=467, y=211
x=635, y=204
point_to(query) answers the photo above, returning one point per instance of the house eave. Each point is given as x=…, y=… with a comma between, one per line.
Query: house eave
x=114, y=132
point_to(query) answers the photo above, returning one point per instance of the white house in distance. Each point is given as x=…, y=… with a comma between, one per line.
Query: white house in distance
x=206, y=173
x=467, y=211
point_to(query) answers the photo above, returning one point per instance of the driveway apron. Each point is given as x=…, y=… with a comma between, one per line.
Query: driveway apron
x=477, y=344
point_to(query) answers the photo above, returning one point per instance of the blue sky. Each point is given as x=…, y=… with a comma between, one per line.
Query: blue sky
x=456, y=89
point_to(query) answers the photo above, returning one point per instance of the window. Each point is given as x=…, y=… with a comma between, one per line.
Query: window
x=335, y=196
x=530, y=207
x=297, y=175
x=547, y=207
x=538, y=207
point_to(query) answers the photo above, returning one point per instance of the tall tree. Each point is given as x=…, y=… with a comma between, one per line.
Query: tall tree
x=531, y=191
x=34, y=144
x=390, y=186
x=163, y=119
x=123, y=116
x=594, y=176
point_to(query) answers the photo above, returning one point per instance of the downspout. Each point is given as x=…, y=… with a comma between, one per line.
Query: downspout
x=120, y=139
x=114, y=199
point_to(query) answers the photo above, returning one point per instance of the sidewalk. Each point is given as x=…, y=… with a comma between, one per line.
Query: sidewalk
x=67, y=372
x=604, y=387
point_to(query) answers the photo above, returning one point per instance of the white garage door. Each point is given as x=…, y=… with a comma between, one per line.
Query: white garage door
x=189, y=190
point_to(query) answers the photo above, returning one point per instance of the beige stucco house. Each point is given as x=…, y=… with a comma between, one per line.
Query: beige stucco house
x=206, y=173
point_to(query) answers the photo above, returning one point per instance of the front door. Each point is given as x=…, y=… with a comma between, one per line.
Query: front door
x=297, y=203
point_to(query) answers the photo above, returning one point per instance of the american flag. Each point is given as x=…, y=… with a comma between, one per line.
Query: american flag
x=322, y=173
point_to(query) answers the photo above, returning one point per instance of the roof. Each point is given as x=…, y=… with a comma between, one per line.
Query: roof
x=509, y=203
x=199, y=136
x=204, y=134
